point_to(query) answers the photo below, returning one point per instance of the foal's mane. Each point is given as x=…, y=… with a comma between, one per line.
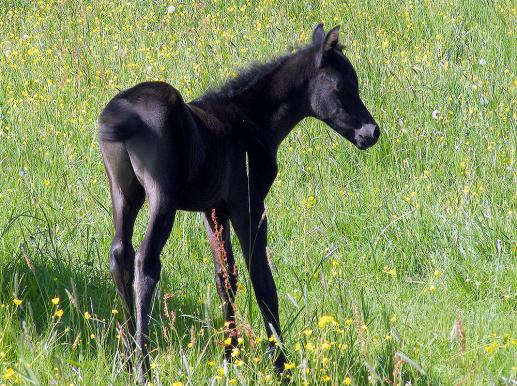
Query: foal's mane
x=248, y=77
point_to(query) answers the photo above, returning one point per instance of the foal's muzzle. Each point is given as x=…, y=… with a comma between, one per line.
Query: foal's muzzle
x=367, y=136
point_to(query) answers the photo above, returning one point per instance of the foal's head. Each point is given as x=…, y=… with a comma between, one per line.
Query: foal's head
x=334, y=92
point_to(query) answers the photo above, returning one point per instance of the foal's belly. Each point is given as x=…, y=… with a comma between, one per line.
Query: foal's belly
x=208, y=190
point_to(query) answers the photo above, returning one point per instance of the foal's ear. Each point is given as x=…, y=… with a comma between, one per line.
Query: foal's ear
x=318, y=35
x=328, y=44
x=331, y=39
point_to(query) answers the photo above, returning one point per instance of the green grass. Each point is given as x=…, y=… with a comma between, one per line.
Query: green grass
x=397, y=245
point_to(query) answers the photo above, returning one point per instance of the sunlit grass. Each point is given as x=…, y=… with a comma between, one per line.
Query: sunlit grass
x=393, y=265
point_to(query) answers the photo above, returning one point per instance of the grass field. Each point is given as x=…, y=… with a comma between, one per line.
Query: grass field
x=395, y=265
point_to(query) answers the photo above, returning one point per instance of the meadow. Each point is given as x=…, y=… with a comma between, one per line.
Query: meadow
x=396, y=265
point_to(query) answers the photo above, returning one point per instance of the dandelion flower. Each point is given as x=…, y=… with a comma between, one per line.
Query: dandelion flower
x=228, y=341
x=432, y=288
x=17, y=301
x=114, y=311
x=177, y=383
x=55, y=301
x=347, y=381
x=289, y=366
x=59, y=313
x=87, y=315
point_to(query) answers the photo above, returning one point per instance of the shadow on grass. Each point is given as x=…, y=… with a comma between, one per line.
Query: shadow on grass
x=86, y=288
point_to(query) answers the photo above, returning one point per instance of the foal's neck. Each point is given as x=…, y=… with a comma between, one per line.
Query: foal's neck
x=278, y=100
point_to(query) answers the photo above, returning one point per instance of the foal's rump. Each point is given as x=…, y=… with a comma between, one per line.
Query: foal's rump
x=149, y=106
x=156, y=127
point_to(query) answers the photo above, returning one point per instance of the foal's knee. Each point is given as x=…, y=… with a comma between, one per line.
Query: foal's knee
x=147, y=268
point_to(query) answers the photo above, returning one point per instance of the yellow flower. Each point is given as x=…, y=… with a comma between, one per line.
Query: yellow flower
x=325, y=345
x=220, y=370
x=325, y=378
x=211, y=363
x=92, y=336
x=309, y=346
x=390, y=271
x=228, y=341
x=17, y=301
x=240, y=340
x=432, y=288
x=87, y=315
x=190, y=345
x=235, y=352
x=289, y=366
x=55, y=301
x=492, y=347
x=437, y=273
x=348, y=322
x=239, y=363
x=347, y=381
x=59, y=313
x=177, y=383
x=114, y=311
x=232, y=381
x=326, y=319
x=9, y=374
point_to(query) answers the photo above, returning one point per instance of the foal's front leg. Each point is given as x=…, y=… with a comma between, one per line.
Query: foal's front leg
x=218, y=232
x=147, y=275
x=251, y=229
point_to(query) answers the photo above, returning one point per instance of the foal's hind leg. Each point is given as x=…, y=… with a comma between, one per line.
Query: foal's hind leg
x=127, y=198
x=218, y=232
x=147, y=272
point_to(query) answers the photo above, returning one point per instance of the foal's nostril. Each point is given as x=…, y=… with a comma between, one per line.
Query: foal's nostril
x=376, y=132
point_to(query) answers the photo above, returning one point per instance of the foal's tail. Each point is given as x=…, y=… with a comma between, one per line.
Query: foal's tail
x=118, y=122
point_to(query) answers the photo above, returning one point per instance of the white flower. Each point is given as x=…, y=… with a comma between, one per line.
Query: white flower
x=435, y=114
x=482, y=62
x=25, y=37
x=171, y=9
